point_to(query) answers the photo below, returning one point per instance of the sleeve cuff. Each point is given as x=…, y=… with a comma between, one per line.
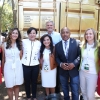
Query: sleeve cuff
x=60, y=64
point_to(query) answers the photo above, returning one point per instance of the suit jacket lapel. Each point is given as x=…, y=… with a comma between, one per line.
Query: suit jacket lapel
x=62, y=51
x=70, y=46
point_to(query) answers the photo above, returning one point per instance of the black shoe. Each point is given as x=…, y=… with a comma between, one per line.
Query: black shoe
x=81, y=97
x=46, y=98
x=54, y=96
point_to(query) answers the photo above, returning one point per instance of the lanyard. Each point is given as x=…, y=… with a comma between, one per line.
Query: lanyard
x=65, y=47
x=87, y=54
x=13, y=50
x=89, y=47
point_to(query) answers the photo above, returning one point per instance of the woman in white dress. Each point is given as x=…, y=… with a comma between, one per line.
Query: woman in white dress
x=11, y=63
x=47, y=61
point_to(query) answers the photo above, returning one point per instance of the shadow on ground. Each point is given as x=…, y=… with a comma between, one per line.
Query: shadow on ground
x=22, y=95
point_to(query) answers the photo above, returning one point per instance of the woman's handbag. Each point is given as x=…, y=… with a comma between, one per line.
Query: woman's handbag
x=98, y=84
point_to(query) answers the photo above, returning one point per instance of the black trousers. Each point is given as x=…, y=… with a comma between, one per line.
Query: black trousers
x=57, y=88
x=30, y=79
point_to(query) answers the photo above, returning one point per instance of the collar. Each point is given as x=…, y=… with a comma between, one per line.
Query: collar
x=31, y=41
x=51, y=33
x=66, y=40
x=90, y=46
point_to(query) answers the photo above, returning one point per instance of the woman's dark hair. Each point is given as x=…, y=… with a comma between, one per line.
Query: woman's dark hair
x=30, y=29
x=18, y=40
x=43, y=46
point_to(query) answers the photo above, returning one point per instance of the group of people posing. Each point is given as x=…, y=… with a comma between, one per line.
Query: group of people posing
x=57, y=56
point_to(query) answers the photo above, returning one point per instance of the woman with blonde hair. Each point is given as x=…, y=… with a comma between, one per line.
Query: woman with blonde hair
x=89, y=65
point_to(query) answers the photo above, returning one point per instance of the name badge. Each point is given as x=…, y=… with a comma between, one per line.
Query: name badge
x=46, y=67
x=86, y=67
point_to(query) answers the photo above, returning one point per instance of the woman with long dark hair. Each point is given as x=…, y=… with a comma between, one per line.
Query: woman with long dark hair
x=11, y=63
x=48, y=64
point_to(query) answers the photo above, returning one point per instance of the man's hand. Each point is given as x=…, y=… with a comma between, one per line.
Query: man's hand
x=64, y=66
x=71, y=66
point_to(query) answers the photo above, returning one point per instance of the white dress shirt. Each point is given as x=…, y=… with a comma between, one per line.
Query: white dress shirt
x=56, y=37
x=67, y=46
x=88, y=58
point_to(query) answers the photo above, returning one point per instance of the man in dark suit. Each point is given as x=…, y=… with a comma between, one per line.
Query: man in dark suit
x=68, y=58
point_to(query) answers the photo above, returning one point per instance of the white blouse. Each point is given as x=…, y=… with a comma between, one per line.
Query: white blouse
x=31, y=52
x=88, y=58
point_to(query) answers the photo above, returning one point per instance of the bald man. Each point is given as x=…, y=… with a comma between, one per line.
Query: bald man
x=68, y=58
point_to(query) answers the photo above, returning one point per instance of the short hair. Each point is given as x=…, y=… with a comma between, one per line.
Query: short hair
x=30, y=29
x=65, y=28
x=50, y=21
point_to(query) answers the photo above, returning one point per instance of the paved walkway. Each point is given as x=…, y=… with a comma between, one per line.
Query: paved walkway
x=22, y=96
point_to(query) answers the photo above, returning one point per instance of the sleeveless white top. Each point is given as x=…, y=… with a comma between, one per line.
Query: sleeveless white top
x=13, y=72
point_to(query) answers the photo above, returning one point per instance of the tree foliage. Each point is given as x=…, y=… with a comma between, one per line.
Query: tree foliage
x=6, y=17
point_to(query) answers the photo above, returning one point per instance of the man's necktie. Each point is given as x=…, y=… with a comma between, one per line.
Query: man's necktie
x=66, y=49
